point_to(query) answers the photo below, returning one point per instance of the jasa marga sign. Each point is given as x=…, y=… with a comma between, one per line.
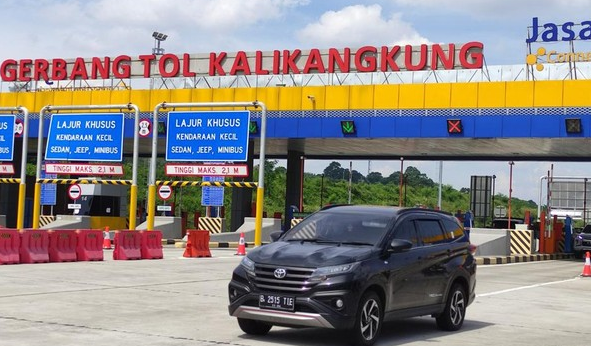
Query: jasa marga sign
x=556, y=33
x=551, y=32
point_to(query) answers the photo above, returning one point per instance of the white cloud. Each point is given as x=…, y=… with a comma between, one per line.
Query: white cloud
x=359, y=25
x=499, y=8
x=71, y=28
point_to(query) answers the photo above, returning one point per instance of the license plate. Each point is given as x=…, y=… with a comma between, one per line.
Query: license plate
x=271, y=301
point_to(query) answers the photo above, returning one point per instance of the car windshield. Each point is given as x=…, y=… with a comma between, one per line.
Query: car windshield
x=356, y=229
x=587, y=229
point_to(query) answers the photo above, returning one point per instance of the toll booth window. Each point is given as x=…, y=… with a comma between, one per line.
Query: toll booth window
x=105, y=206
x=85, y=203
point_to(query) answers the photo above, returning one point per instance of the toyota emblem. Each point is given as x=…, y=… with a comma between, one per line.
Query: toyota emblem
x=279, y=273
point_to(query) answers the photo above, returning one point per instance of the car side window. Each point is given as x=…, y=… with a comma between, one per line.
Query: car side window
x=430, y=231
x=453, y=229
x=406, y=230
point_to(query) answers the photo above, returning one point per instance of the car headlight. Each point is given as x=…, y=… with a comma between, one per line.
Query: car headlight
x=248, y=265
x=322, y=273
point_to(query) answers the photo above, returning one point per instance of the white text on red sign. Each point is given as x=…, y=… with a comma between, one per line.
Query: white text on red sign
x=83, y=169
x=208, y=170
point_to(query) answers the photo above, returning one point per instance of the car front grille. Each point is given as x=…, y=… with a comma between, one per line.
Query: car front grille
x=296, y=279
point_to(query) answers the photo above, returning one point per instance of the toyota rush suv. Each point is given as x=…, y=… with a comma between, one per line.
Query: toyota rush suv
x=582, y=242
x=353, y=267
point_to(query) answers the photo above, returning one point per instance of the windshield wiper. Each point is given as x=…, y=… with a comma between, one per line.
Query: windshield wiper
x=313, y=240
x=355, y=243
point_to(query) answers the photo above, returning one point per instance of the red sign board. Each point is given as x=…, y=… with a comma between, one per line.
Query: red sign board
x=6, y=168
x=83, y=169
x=164, y=192
x=207, y=170
x=74, y=191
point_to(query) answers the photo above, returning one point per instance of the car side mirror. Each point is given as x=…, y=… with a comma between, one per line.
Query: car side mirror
x=399, y=245
x=275, y=235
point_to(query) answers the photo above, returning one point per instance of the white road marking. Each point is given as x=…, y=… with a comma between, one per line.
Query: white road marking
x=525, y=287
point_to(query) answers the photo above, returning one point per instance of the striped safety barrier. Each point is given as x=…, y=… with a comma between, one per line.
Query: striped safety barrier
x=521, y=242
x=84, y=181
x=10, y=181
x=211, y=224
x=560, y=246
x=46, y=219
x=250, y=185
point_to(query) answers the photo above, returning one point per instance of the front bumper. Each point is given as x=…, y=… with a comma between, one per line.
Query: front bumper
x=312, y=309
x=301, y=319
x=582, y=245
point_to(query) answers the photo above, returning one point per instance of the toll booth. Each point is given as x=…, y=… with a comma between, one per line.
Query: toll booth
x=106, y=205
x=98, y=206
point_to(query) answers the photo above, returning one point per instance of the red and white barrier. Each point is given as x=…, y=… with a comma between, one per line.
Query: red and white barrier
x=151, y=245
x=128, y=245
x=62, y=245
x=197, y=244
x=34, y=246
x=90, y=242
x=10, y=241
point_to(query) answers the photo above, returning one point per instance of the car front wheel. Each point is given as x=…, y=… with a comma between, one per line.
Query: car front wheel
x=453, y=315
x=368, y=322
x=253, y=327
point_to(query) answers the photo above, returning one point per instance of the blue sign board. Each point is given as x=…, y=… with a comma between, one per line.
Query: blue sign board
x=207, y=136
x=212, y=196
x=6, y=137
x=85, y=137
x=48, y=191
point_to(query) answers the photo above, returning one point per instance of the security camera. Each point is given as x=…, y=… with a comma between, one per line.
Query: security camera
x=311, y=98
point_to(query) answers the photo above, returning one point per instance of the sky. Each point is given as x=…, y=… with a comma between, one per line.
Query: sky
x=71, y=28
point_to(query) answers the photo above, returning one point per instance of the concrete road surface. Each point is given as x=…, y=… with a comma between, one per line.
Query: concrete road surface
x=183, y=301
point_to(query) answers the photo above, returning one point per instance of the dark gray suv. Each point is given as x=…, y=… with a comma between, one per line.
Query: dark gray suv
x=352, y=267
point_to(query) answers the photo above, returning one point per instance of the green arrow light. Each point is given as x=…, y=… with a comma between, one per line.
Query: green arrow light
x=161, y=129
x=348, y=127
x=253, y=127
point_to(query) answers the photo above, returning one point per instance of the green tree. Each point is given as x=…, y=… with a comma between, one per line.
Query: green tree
x=334, y=171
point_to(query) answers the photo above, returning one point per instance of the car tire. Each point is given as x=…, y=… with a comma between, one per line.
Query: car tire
x=578, y=254
x=253, y=327
x=452, y=317
x=368, y=320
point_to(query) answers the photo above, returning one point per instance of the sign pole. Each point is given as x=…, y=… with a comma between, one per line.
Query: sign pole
x=133, y=191
x=20, y=218
x=152, y=176
x=261, y=181
x=37, y=196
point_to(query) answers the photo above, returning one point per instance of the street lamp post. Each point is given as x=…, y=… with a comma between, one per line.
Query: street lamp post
x=492, y=215
x=158, y=38
x=401, y=181
x=157, y=50
x=511, y=163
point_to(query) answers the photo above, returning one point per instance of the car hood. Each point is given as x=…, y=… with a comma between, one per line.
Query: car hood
x=299, y=254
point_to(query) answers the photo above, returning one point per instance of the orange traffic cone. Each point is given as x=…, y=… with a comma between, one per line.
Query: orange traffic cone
x=241, y=246
x=587, y=267
x=106, y=239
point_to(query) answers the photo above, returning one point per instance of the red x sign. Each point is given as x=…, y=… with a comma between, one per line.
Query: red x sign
x=454, y=126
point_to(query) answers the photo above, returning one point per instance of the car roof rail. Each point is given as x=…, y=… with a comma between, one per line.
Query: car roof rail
x=410, y=209
x=329, y=206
